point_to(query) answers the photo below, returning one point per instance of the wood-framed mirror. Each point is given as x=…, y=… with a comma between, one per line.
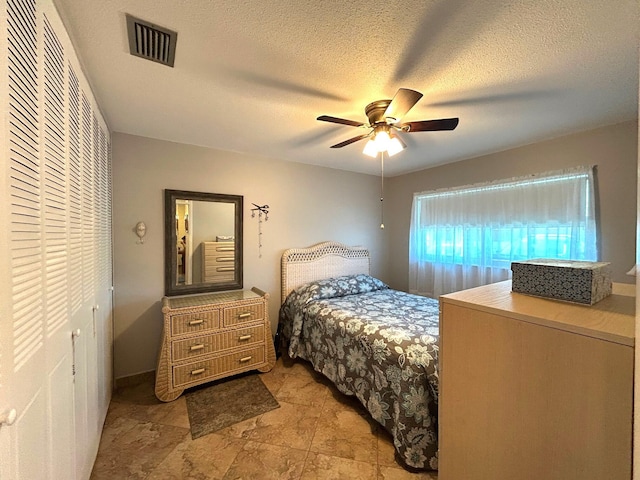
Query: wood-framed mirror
x=202, y=242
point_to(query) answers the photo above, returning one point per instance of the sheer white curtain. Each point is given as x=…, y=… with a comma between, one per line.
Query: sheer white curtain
x=468, y=236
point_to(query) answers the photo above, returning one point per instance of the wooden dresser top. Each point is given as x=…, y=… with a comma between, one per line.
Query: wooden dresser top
x=611, y=319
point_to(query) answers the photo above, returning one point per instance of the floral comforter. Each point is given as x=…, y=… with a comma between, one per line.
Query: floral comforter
x=378, y=344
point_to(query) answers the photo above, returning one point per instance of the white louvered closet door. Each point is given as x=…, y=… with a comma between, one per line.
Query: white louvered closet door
x=55, y=240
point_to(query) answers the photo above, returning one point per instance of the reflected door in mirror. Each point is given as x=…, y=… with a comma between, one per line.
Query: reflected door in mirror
x=184, y=272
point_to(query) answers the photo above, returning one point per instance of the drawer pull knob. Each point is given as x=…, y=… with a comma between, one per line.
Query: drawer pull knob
x=246, y=359
x=197, y=347
x=225, y=259
x=225, y=249
x=198, y=371
x=225, y=269
x=196, y=322
x=245, y=337
x=244, y=315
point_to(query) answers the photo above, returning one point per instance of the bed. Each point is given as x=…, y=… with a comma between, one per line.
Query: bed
x=378, y=344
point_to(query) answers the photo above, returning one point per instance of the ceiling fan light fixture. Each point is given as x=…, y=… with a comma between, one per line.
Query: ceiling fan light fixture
x=395, y=146
x=371, y=149
x=382, y=140
x=385, y=115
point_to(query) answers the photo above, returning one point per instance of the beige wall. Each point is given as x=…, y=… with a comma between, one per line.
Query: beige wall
x=614, y=149
x=308, y=205
x=311, y=204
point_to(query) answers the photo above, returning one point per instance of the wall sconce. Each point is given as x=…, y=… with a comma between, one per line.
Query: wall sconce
x=141, y=231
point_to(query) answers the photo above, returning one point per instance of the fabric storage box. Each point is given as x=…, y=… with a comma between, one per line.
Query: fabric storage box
x=571, y=281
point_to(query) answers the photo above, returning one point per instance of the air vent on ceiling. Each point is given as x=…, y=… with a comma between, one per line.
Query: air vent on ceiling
x=151, y=41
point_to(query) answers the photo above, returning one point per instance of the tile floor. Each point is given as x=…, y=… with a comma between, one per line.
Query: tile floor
x=317, y=433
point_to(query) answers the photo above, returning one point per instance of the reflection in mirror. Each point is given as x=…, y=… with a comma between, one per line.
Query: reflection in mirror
x=203, y=242
x=205, y=254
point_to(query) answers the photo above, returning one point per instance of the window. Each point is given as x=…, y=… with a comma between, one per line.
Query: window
x=468, y=236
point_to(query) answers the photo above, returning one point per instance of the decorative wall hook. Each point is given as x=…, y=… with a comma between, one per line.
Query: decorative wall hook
x=141, y=231
x=261, y=209
x=264, y=209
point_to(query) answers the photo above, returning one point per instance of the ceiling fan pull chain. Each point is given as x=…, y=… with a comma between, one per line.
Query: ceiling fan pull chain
x=381, y=190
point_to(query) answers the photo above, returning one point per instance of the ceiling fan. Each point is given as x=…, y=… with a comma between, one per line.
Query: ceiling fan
x=384, y=120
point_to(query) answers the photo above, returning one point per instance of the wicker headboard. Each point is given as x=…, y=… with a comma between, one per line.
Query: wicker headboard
x=323, y=260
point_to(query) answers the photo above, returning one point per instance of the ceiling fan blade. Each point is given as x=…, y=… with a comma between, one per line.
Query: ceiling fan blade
x=350, y=141
x=402, y=102
x=343, y=121
x=431, y=125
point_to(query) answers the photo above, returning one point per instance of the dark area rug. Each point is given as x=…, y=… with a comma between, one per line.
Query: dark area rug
x=214, y=407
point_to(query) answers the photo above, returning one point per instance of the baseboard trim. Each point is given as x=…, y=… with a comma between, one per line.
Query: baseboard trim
x=133, y=380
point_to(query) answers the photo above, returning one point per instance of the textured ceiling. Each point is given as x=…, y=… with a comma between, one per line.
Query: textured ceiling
x=252, y=76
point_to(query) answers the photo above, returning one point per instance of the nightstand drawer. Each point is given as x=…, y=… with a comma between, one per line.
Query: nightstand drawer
x=219, y=273
x=195, y=322
x=196, y=372
x=213, y=260
x=243, y=314
x=216, y=342
x=228, y=270
x=218, y=248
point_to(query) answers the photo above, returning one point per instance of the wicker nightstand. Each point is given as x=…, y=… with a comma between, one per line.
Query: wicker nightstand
x=211, y=336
